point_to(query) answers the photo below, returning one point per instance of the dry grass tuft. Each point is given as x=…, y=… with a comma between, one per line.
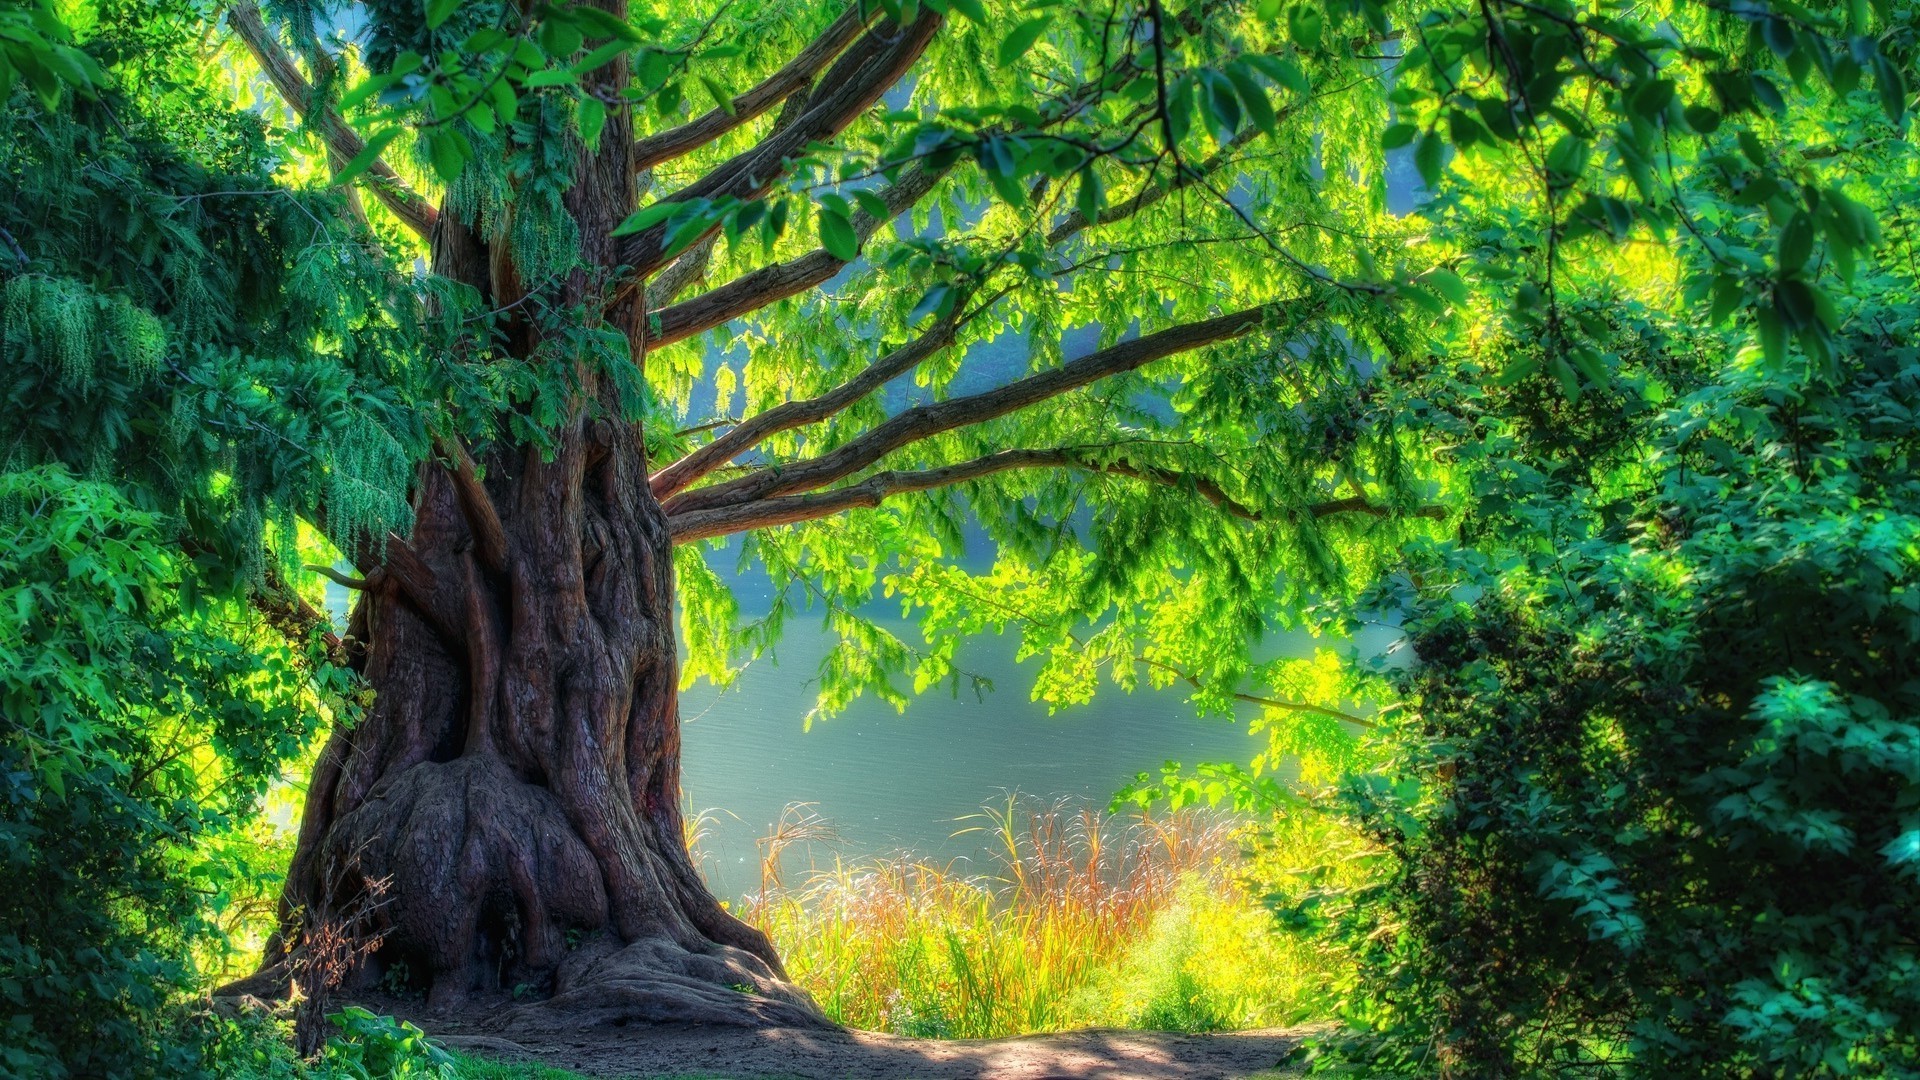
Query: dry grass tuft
x=1091, y=919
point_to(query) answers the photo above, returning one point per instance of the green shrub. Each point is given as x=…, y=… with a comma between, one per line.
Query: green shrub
x=132, y=727
x=1656, y=805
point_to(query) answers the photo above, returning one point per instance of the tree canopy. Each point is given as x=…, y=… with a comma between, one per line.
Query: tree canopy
x=472, y=306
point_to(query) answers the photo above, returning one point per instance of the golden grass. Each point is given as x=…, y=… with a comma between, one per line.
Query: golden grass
x=1091, y=920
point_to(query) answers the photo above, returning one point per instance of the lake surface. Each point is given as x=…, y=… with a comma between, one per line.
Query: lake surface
x=891, y=781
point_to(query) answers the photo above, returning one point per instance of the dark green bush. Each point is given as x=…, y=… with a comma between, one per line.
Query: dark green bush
x=1656, y=804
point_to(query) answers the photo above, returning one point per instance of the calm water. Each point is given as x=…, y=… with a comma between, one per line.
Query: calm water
x=890, y=781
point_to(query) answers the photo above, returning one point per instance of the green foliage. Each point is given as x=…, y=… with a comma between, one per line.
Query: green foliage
x=171, y=317
x=136, y=726
x=191, y=355
x=373, y=1047
x=365, y=1046
x=1653, y=795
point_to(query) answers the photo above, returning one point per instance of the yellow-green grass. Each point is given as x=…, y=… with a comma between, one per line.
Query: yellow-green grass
x=1090, y=920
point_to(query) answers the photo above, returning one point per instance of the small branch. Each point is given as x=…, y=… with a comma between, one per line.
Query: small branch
x=879, y=59
x=786, y=416
x=1362, y=505
x=767, y=513
x=1255, y=699
x=710, y=425
x=689, y=525
x=796, y=76
x=14, y=247
x=755, y=290
x=343, y=143
x=338, y=578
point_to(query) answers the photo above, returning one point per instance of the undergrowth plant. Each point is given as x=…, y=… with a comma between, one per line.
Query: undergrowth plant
x=1089, y=919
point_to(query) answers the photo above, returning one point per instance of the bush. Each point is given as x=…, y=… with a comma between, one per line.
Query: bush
x=1656, y=805
x=132, y=727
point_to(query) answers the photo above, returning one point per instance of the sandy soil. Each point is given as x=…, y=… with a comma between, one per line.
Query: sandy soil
x=783, y=1054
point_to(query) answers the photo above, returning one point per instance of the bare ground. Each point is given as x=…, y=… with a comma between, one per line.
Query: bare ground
x=643, y=1051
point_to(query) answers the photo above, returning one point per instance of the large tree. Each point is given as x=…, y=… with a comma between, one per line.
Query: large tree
x=1126, y=304
x=1112, y=282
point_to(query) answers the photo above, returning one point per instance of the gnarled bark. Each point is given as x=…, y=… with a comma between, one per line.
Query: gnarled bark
x=516, y=782
x=515, y=785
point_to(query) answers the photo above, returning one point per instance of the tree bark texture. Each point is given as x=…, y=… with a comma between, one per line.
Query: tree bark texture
x=516, y=782
x=515, y=786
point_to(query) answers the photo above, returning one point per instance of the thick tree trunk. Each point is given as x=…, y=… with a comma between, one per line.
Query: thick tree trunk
x=513, y=795
x=515, y=785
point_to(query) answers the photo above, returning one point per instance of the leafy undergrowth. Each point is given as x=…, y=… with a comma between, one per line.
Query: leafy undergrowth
x=1093, y=920
x=365, y=1047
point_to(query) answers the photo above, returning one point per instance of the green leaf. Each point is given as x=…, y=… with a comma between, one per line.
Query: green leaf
x=872, y=203
x=438, y=11
x=1796, y=242
x=368, y=154
x=1702, y=119
x=1306, y=24
x=722, y=98
x=605, y=24
x=1892, y=86
x=1253, y=97
x=646, y=218
x=449, y=151
x=366, y=89
x=1091, y=196
x=1016, y=44
x=600, y=57
x=593, y=117
x=1223, y=105
x=1428, y=157
x=1398, y=135
x=837, y=236
x=939, y=299
x=1447, y=284
x=974, y=10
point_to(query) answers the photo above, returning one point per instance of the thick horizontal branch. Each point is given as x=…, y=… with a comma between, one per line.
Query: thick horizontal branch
x=767, y=513
x=878, y=60
x=925, y=421
x=797, y=75
x=686, y=526
x=344, y=144
x=1360, y=505
x=788, y=415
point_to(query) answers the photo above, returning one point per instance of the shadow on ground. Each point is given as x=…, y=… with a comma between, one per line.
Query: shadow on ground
x=645, y=1051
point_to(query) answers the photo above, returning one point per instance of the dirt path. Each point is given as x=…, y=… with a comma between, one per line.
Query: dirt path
x=785, y=1054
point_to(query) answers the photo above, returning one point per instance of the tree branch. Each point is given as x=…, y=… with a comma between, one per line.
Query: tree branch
x=862, y=74
x=342, y=142
x=796, y=76
x=689, y=525
x=755, y=290
x=788, y=415
x=924, y=421
x=766, y=513
x=1075, y=221
x=345, y=581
